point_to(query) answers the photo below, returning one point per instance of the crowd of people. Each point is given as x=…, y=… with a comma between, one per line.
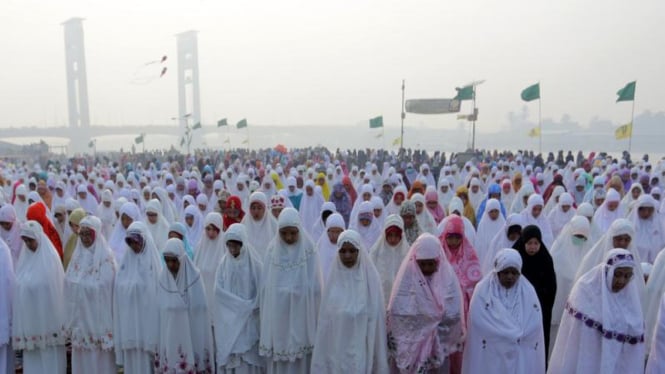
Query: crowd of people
x=357, y=261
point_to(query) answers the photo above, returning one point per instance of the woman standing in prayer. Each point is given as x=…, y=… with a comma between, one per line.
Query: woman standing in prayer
x=464, y=261
x=505, y=238
x=10, y=231
x=289, y=298
x=351, y=332
x=433, y=206
x=609, y=211
x=179, y=231
x=366, y=225
x=135, y=326
x=602, y=329
x=327, y=209
x=425, y=219
x=425, y=317
x=74, y=221
x=233, y=212
x=185, y=338
x=106, y=213
x=89, y=301
x=6, y=299
x=129, y=212
x=649, y=229
x=310, y=207
x=37, y=212
x=193, y=222
x=561, y=214
x=342, y=201
x=533, y=215
x=260, y=225
x=156, y=223
x=208, y=255
x=388, y=253
x=38, y=304
x=327, y=244
x=656, y=362
x=538, y=269
x=411, y=229
x=505, y=322
x=491, y=222
x=567, y=253
x=236, y=298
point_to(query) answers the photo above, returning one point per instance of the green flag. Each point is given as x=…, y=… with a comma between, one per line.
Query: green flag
x=241, y=124
x=196, y=126
x=531, y=93
x=222, y=122
x=627, y=93
x=138, y=139
x=465, y=93
x=376, y=122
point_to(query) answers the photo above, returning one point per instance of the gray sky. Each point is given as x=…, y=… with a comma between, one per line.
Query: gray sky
x=337, y=62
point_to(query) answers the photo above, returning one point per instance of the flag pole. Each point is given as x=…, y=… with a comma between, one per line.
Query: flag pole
x=473, y=136
x=540, y=124
x=632, y=119
x=247, y=138
x=401, y=137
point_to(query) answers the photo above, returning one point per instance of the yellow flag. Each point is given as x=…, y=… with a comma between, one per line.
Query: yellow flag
x=397, y=140
x=624, y=132
x=534, y=132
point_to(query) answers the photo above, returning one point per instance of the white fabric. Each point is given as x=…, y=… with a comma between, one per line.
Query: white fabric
x=290, y=296
x=351, y=332
x=387, y=258
x=487, y=229
x=236, y=295
x=310, y=206
x=656, y=363
x=552, y=201
x=425, y=219
x=169, y=210
x=7, y=290
x=319, y=227
x=603, y=217
x=557, y=217
x=135, y=326
x=505, y=325
x=106, y=214
x=92, y=361
x=207, y=257
x=501, y=241
x=21, y=207
x=12, y=237
x=159, y=230
x=369, y=234
x=38, y=304
x=654, y=291
x=582, y=348
x=52, y=360
x=518, y=203
x=649, y=233
x=89, y=292
x=260, y=232
x=540, y=221
x=196, y=230
x=117, y=241
x=567, y=253
x=328, y=250
x=185, y=335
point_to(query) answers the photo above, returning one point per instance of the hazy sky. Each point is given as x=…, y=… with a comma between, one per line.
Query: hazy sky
x=336, y=62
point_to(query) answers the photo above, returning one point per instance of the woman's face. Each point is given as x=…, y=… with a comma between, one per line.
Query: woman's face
x=234, y=247
x=126, y=220
x=621, y=241
x=289, y=234
x=30, y=243
x=333, y=234
x=348, y=255
x=152, y=217
x=419, y=207
x=536, y=210
x=621, y=278
x=532, y=246
x=257, y=210
x=493, y=214
x=508, y=277
x=189, y=220
x=212, y=232
x=428, y=267
x=408, y=219
x=393, y=238
x=635, y=192
x=453, y=241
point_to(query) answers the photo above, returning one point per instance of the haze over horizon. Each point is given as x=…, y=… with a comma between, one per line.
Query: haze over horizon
x=339, y=63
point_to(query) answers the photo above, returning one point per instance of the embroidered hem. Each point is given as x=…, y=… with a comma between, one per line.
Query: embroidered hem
x=607, y=334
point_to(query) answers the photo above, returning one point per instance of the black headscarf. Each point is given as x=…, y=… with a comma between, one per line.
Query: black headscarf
x=539, y=270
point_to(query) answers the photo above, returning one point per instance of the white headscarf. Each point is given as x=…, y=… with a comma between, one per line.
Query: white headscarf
x=602, y=331
x=500, y=241
x=89, y=291
x=261, y=232
x=567, y=253
x=195, y=231
x=106, y=214
x=444, y=198
x=12, y=237
x=208, y=255
x=117, y=241
x=425, y=219
x=387, y=258
x=351, y=332
x=603, y=217
x=21, y=207
x=518, y=203
x=135, y=322
x=371, y=233
x=89, y=203
x=169, y=210
x=649, y=233
x=292, y=287
x=38, y=305
x=326, y=249
x=540, y=221
x=557, y=217
x=159, y=230
x=310, y=207
x=236, y=297
x=505, y=325
x=7, y=291
x=655, y=288
x=487, y=229
x=185, y=336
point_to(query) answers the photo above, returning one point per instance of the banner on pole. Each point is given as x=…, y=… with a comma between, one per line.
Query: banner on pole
x=432, y=106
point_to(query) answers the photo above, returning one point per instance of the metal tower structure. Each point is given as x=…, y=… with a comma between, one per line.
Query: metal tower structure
x=77, y=82
x=189, y=97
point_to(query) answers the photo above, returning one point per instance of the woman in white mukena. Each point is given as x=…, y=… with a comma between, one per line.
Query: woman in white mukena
x=39, y=306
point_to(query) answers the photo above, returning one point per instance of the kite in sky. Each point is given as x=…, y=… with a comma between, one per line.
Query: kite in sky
x=147, y=72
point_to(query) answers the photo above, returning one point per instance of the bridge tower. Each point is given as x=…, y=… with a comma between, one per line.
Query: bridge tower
x=77, y=82
x=189, y=97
